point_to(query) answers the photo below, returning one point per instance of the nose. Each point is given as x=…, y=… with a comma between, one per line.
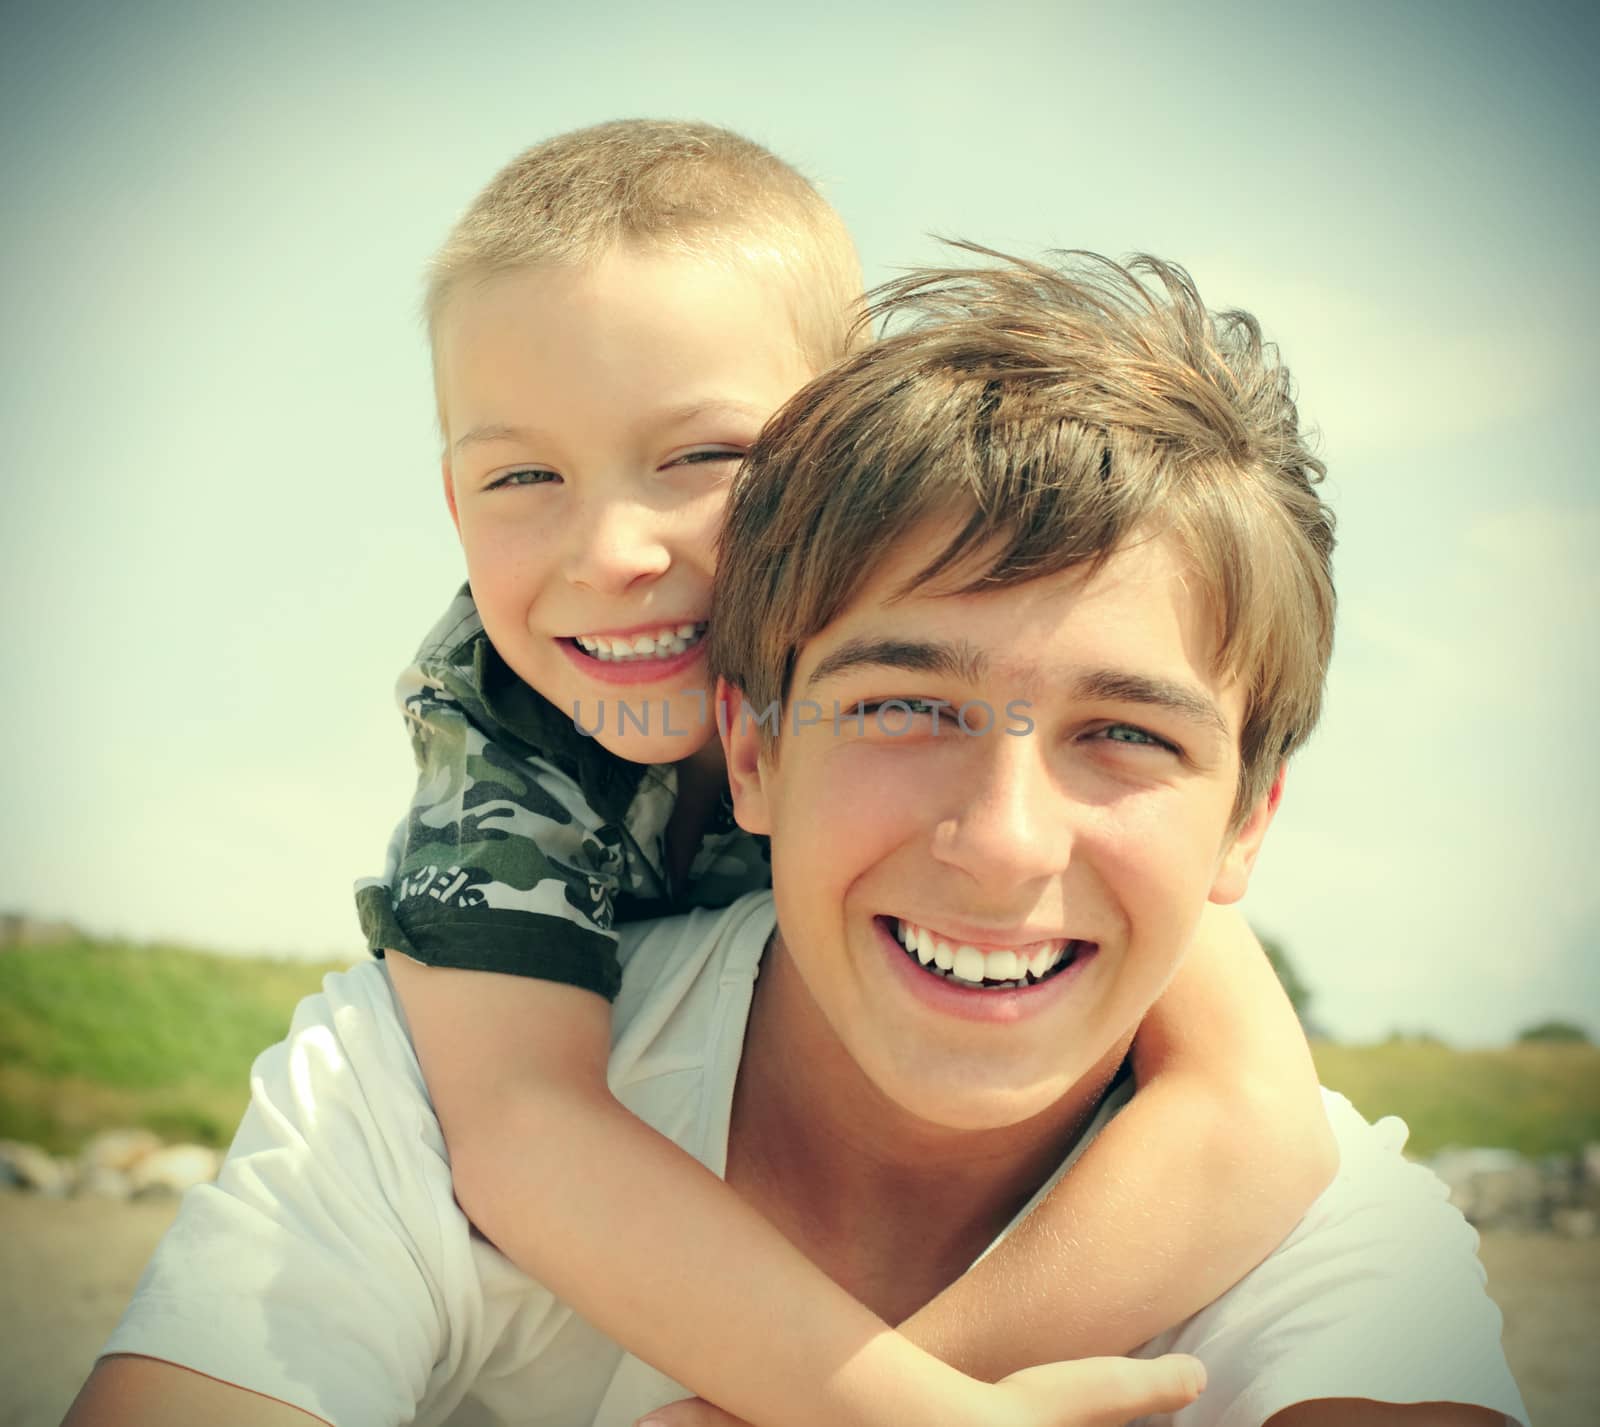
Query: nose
x=1010, y=823
x=613, y=545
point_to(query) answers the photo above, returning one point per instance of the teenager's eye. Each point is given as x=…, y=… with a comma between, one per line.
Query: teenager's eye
x=529, y=476
x=919, y=708
x=899, y=717
x=1130, y=733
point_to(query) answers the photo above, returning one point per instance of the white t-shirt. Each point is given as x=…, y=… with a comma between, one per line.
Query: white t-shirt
x=330, y=1267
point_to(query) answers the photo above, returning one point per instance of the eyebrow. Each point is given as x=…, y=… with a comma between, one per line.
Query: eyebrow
x=962, y=660
x=493, y=431
x=916, y=656
x=1181, y=700
x=690, y=411
x=673, y=416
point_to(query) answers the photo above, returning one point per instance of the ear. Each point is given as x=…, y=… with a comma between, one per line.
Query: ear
x=1233, y=872
x=450, y=493
x=747, y=770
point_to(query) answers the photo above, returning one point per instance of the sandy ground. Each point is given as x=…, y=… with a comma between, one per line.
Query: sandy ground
x=68, y=1266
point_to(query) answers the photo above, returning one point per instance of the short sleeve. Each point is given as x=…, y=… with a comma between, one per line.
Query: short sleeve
x=1377, y=1294
x=500, y=865
x=328, y=1266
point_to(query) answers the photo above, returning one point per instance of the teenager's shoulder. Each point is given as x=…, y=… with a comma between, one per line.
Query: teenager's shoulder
x=687, y=986
x=347, y=1042
x=676, y=969
x=1377, y=1293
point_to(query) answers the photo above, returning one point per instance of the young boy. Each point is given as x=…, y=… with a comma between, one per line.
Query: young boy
x=612, y=322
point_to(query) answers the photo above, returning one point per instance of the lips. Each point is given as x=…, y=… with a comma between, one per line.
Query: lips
x=1007, y=968
x=638, y=657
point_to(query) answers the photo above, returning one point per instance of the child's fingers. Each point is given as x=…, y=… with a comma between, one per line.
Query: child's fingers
x=1120, y=1388
x=689, y=1412
x=1112, y=1390
x=1105, y=1392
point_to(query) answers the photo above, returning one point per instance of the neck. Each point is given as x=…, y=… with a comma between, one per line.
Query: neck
x=702, y=778
x=706, y=767
x=890, y=1206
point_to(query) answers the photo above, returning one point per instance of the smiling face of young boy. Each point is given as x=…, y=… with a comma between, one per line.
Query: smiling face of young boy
x=1080, y=850
x=594, y=416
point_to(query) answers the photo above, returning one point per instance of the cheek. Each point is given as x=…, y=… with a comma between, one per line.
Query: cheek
x=1157, y=855
x=505, y=560
x=880, y=795
x=845, y=809
x=701, y=527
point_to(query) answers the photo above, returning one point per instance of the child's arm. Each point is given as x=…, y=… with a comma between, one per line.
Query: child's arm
x=659, y=1254
x=632, y=1232
x=1211, y=1164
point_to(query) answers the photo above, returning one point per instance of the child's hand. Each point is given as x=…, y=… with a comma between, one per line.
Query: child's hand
x=1099, y=1392
x=1095, y=1392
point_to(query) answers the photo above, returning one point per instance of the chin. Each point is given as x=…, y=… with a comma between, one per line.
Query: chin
x=970, y=1094
x=675, y=726
x=653, y=748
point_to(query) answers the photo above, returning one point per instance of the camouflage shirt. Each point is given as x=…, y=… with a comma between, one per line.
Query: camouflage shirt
x=527, y=841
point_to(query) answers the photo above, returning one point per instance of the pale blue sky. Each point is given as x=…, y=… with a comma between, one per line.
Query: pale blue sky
x=224, y=531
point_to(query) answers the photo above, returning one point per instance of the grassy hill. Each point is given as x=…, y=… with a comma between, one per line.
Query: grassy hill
x=1535, y=1098
x=95, y=1034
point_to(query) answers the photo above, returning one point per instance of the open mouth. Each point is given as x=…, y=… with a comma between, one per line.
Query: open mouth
x=668, y=642
x=987, y=968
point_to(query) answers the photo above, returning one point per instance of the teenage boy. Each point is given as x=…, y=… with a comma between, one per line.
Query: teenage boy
x=1038, y=605
x=611, y=322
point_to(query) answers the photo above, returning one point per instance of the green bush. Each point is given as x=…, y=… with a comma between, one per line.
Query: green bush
x=1560, y=1032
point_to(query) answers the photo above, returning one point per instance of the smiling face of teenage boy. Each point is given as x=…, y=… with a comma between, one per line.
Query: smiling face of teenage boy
x=1073, y=856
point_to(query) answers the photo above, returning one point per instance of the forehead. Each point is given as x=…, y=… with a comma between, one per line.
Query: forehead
x=630, y=329
x=1141, y=613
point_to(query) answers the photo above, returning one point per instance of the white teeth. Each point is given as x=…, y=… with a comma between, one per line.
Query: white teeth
x=968, y=965
x=1001, y=966
x=1005, y=967
x=666, y=643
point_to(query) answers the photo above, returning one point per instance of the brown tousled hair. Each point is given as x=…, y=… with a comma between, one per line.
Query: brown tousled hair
x=1059, y=413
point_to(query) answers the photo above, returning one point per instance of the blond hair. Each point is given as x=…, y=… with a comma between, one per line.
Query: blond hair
x=1062, y=412
x=672, y=185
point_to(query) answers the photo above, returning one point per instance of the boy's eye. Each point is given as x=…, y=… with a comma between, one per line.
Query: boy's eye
x=529, y=476
x=707, y=455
